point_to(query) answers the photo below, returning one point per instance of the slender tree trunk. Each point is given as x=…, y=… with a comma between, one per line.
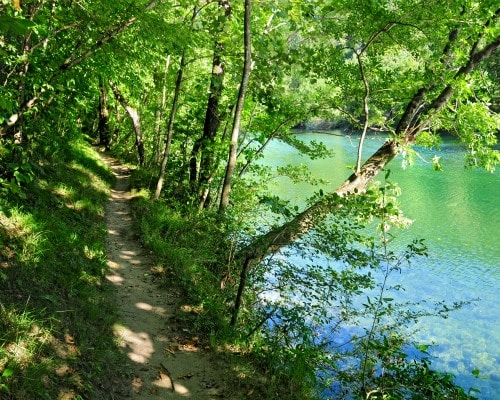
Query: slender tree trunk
x=170, y=128
x=245, y=77
x=366, y=112
x=136, y=121
x=171, y=119
x=206, y=199
x=159, y=114
x=203, y=156
x=366, y=96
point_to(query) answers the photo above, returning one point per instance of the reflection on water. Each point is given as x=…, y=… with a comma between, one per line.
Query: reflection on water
x=457, y=212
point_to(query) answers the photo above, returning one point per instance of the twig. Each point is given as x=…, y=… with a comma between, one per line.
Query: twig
x=167, y=372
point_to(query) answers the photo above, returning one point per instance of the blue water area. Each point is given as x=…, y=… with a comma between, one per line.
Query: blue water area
x=457, y=212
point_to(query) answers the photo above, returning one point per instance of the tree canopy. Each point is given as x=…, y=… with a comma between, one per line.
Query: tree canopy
x=194, y=90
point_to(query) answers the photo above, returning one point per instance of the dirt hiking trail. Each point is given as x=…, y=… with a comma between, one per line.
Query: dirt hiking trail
x=166, y=364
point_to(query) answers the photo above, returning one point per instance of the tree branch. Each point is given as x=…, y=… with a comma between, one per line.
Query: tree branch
x=413, y=121
x=70, y=62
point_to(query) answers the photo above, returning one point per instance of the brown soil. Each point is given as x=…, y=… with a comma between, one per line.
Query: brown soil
x=167, y=360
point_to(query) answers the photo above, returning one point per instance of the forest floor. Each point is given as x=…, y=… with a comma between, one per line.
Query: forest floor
x=167, y=359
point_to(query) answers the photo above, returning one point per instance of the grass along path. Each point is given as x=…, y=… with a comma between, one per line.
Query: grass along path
x=167, y=363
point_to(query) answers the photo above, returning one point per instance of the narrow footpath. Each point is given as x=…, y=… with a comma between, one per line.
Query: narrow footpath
x=163, y=365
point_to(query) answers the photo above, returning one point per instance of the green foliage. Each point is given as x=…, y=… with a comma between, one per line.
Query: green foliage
x=198, y=269
x=16, y=25
x=323, y=311
x=5, y=374
x=55, y=310
x=313, y=60
x=15, y=179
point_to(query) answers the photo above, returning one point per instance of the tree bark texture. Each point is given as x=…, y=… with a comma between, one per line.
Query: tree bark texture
x=203, y=156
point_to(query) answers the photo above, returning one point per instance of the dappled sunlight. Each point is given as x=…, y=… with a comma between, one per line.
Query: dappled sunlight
x=115, y=279
x=165, y=382
x=148, y=307
x=64, y=190
x=139, y=344
x=165, y=359
x=118, y=195
x=129, y=255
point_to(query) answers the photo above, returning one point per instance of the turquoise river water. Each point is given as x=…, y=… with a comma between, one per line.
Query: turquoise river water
x=457, y=212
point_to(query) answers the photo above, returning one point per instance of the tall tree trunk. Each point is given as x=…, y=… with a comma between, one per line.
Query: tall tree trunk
x=366, y=96
x=245, y=77
x=136, y=121
x=202, y=153
x=170, y=128
x=159, y=114
x=203, y=156
x=366, y=112
x=171, y=119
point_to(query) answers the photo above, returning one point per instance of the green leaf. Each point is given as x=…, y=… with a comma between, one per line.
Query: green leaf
x=18, y=26
x=7, y=372
x=423, y=348
x=5, y=104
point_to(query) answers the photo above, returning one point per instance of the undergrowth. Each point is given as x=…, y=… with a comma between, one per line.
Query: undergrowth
x=56, y=313
x=192, y=255
x=281, y=341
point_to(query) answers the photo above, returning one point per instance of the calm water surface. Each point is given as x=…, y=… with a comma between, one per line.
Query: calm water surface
x=457, y=212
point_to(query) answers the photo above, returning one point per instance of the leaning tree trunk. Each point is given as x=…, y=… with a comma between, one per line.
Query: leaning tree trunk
x=136, y=121
x=415, y=118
